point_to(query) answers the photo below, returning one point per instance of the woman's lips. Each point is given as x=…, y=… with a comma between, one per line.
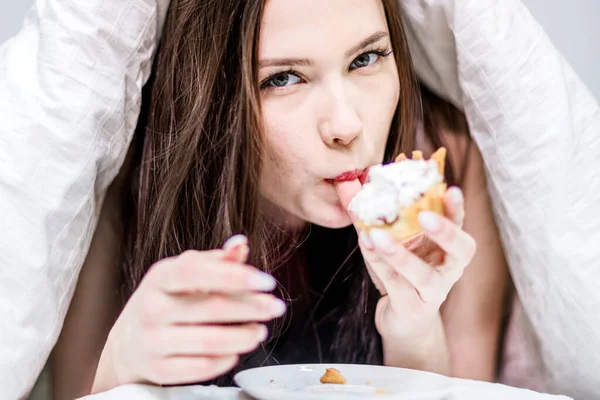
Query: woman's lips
x=348, y=176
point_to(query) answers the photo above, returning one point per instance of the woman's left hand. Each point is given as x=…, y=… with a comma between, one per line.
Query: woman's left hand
x=414, y=277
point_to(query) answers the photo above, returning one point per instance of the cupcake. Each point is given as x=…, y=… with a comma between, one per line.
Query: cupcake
x=396, y=193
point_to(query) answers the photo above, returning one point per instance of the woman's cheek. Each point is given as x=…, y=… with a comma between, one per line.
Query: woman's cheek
x=285, y=159
x=388, y=102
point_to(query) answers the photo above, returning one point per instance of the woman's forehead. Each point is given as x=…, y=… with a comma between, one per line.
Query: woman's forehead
x=305, y=28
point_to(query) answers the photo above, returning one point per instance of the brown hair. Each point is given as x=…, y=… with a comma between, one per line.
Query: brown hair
x=199, y=154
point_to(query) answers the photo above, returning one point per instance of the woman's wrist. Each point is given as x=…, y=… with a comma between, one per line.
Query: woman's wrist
x=426, y=351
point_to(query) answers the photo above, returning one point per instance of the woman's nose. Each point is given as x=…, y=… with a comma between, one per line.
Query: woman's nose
x=340, y=124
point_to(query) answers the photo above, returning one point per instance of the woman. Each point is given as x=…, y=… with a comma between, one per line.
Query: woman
x=253, y=109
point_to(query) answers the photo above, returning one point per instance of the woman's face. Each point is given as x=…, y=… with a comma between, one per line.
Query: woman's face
x=329, y=88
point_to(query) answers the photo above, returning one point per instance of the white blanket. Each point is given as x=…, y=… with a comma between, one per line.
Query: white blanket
x=538, y=129
x=70, y=88
x=69, y=98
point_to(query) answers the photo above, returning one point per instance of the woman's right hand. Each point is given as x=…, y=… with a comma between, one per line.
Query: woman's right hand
x=177, y=326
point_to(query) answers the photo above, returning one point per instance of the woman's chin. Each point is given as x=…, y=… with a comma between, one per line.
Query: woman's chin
x=333, y=217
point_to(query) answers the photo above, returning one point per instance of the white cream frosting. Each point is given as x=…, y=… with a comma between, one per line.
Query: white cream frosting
x=392, y=187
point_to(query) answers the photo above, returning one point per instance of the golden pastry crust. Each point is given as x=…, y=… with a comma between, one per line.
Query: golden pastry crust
x=334, y=376
x=407, y=224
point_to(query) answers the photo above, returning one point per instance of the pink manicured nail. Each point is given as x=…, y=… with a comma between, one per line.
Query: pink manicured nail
x=365, y=240
x=235, y=240
x=278, y=307
x=263, y=333
x=456, y=196
x=430, y=221
x=262, y=281
x=383, y=241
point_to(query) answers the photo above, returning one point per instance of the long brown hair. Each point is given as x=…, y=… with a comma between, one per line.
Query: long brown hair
x=199, y=155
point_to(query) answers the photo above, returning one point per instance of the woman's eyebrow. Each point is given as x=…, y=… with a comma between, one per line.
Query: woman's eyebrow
x=288, y=62
x=303, y=62
x=366, y=42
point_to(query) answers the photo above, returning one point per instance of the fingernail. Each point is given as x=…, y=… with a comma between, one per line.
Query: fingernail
x=235, y=240
x=382, y=241
x=263, y=333
x=365, y=240
x=430, y=221
x=456, y=196
x=262, y=281
x=278, y=307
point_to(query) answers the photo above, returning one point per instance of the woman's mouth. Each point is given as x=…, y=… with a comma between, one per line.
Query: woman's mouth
x=360, y=174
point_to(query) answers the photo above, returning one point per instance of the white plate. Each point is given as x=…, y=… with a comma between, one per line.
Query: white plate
x=301, y=381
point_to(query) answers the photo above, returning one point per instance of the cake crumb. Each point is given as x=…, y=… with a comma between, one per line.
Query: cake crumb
x=334, y=376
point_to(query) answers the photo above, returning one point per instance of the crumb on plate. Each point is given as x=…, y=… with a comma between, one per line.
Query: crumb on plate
x=334, y=376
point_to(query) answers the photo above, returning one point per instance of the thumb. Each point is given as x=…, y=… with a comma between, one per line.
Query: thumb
x=346, y=192
x=236, y=249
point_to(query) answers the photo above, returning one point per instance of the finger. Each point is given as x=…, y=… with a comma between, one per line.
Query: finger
x=346, y=192
x=193, y=272
x=402, y=263
x=369, y=256
x=183, y=370
x=210, y=340
x=454, y=205
x=236, y=249
x=365, y=241
x=385, y=278
x=458, y=245
x=220, y=308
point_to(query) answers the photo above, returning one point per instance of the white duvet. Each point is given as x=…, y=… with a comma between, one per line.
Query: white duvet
x=69, y=97
x=538, y=129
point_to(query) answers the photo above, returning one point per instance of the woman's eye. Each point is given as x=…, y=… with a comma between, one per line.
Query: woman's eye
x=282, y=80
x=364, y=60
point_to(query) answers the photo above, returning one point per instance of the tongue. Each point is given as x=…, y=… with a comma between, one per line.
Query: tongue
x=346, y=191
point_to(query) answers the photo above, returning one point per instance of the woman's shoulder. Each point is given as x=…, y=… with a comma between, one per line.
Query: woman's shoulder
x=463, y=154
